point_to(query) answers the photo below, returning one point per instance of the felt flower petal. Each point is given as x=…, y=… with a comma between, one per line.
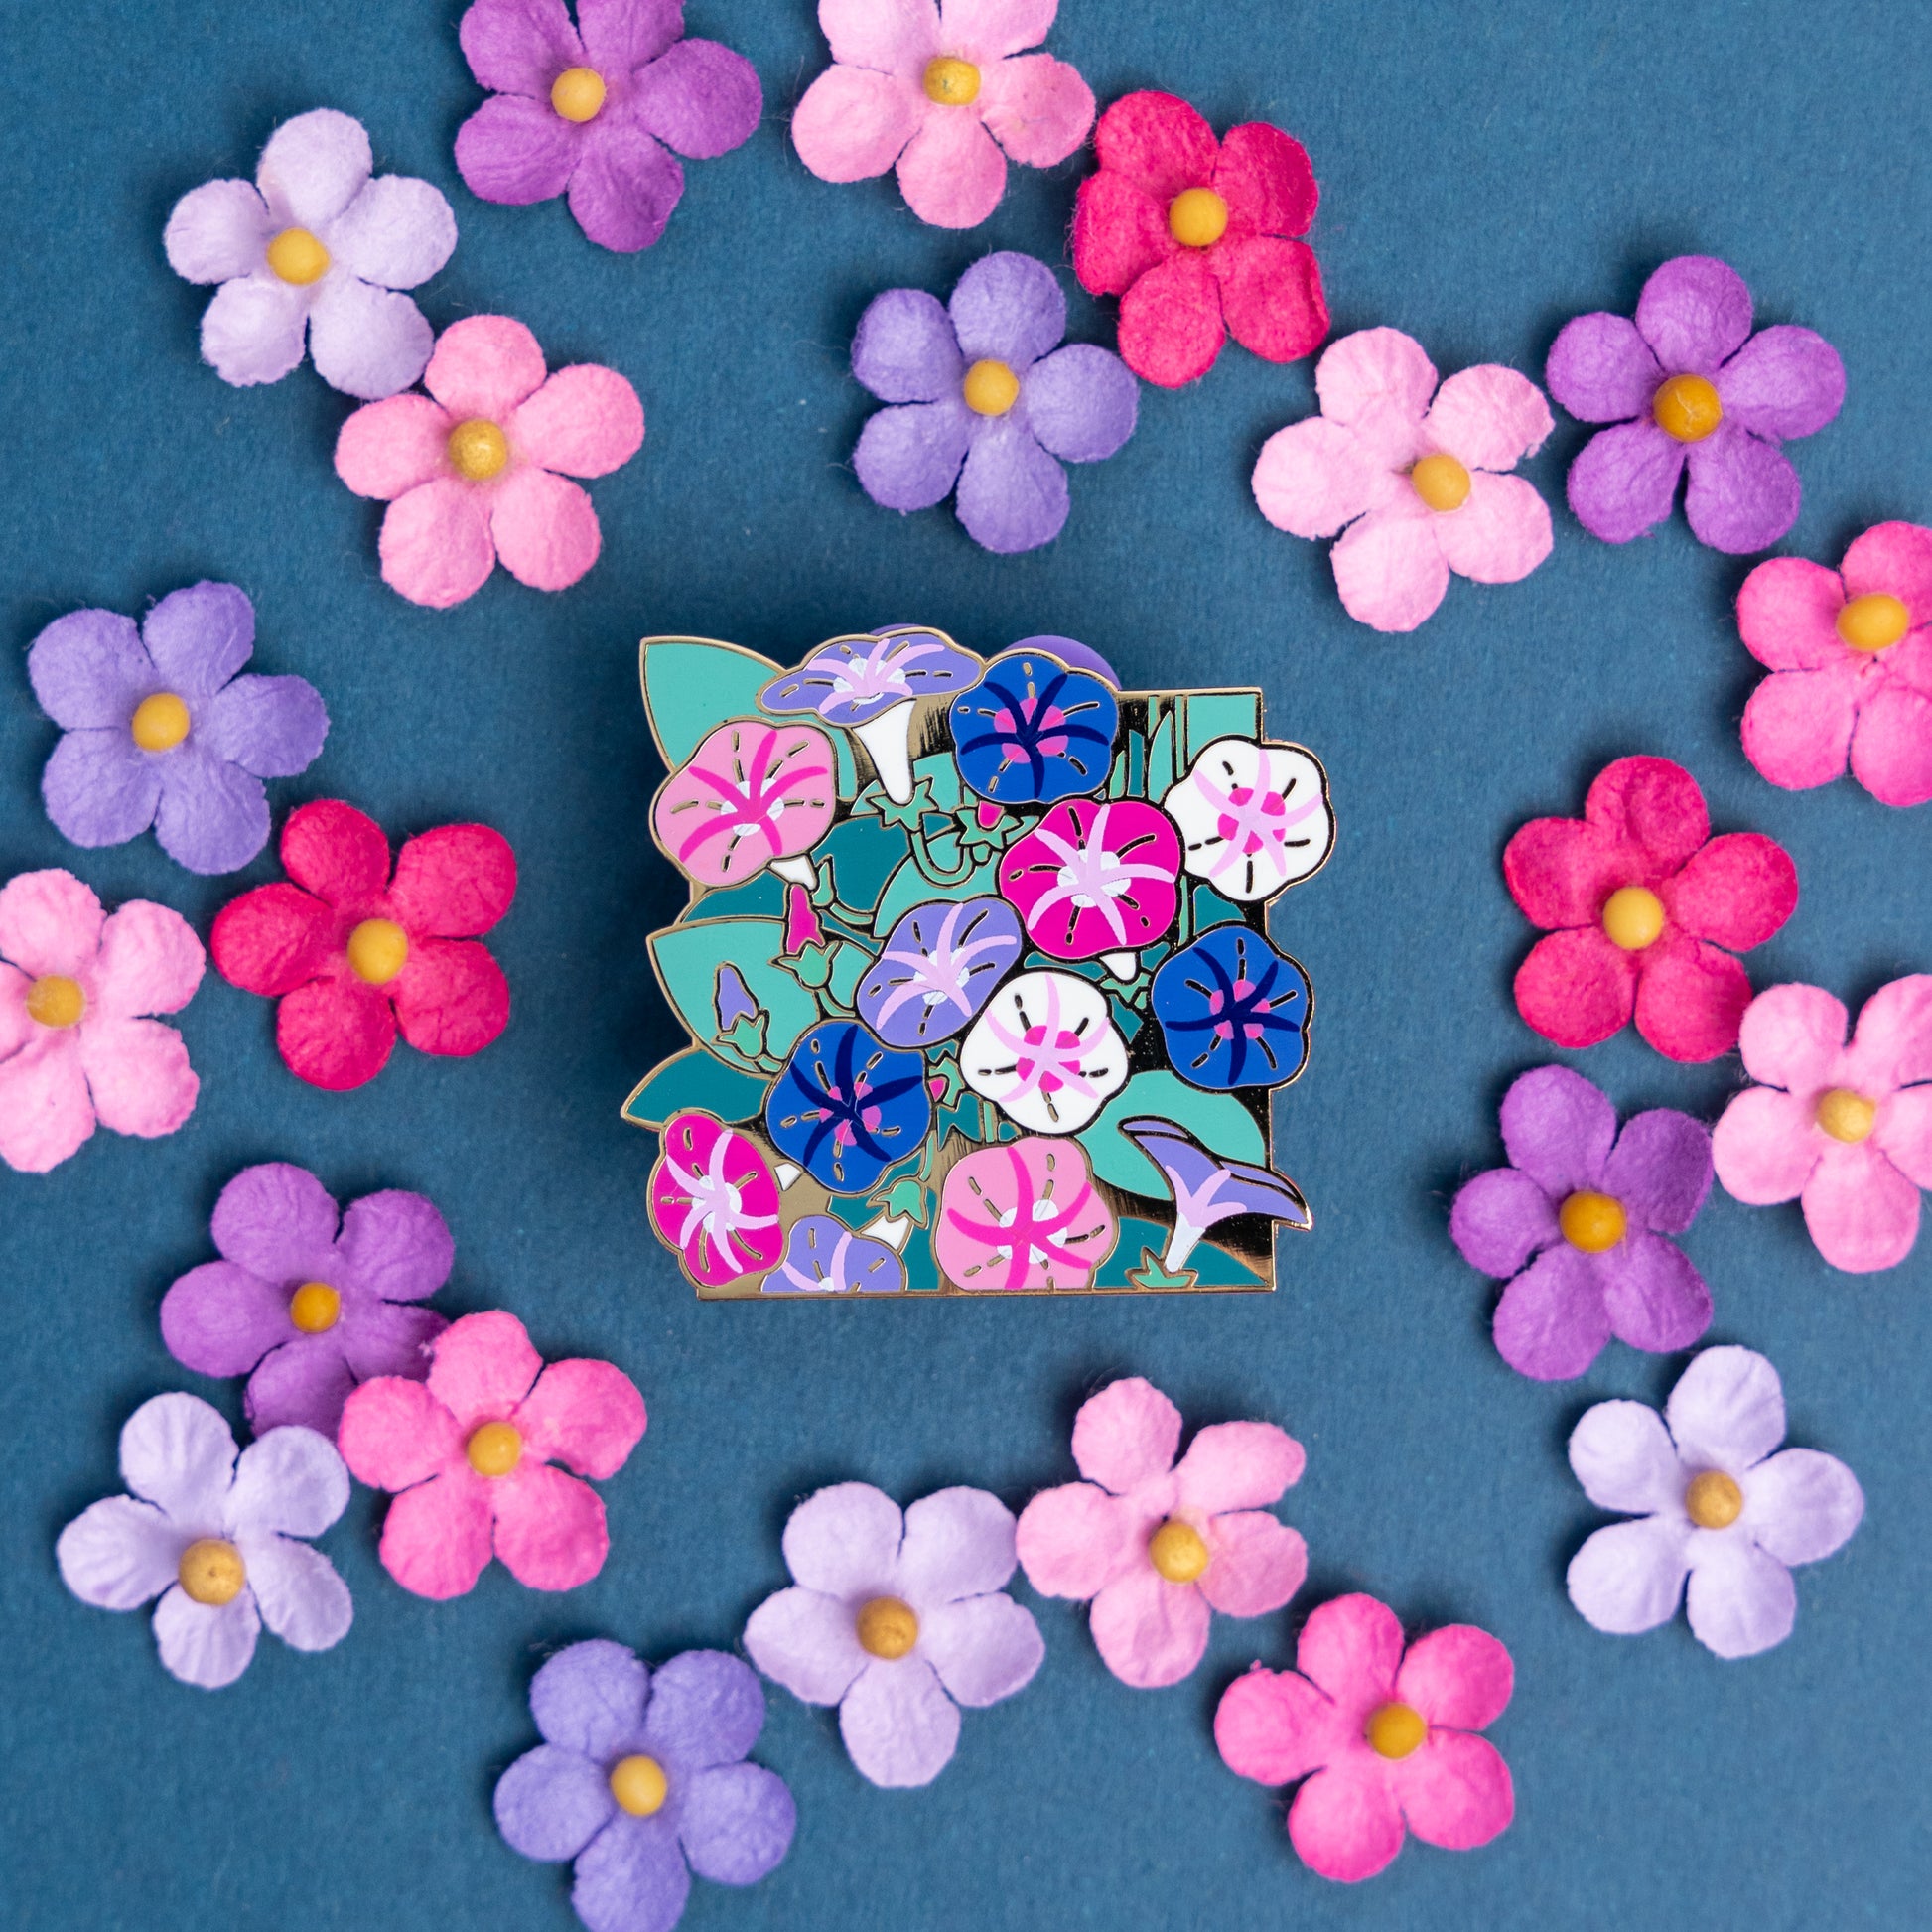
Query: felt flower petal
x=1125, y=1436
x=88, y=670
x=390, y=1338
x=1501, y=534
x=586, y=1415
x=1660, y=1169
x=1275, y=1726
x=484, y=1366
x=1893, y=557
x=435, y=546
x=306, y=1381
x=1120, y=231
x=1626, y=1460
x=1390, y=571
x=1892, y=1044
x=1791, y=1037
x=1727, y=1411
x=844, y=1541
x=584, y=421
x=706, y=1709
x=515, y=150
x=45, y=1111
x=991, y=29
x=628, y=34
x=1073, y=1539
x=1345, y=1823
x=1499, y=1219
x=1558, y=1129
x=1456, y=1791
x=1695, y=312
x=1552, y=1321
x=545, y=529
x=1237, y=1466
x=1903, y=1134
x=953, y=173
x=1862, y=1213
x=389, y=448
x=454, y=882
x=958, y=1542
x=485, y=365
x=550, y=1528
x=698, y=97
x=213, y=816
x=1352, y=1647
x=396, y=1245
x=1171, y=327
x=1765, y=1146
x=435, y=1537
x=904, y=348
x=1741, y=1601
x=1270, y=296
x=1737, y=891
x=1653, y=1293
x=899, y=1724
x=149, y=962
x=853, y=123
x=254, y=329
x=804, y=1640
x=984, y=1648
x=1149, y=1632
x=1797, y=729
x=1602, y=369
x=1082, y=402
x=1891, y=746
x=99, y=788
x=336, y=852
x=119, y=1554
x=1457, y=1675
x=1629, y=1576
x=551, y=1802
x=1313, y=477
x=1787, y=614
x=1575, y=989
x=1800, y=1505
x=1488, y=417
x=737, y=1823
x=451, y=998
x=1785, y=382
x=202, y=1644
x=368, y=342
x=1690, y=1000
x=288, y=1482
x=1374, y=375
x=50, y=922
x=1009, y=307
x=296, y=1588
x=1265, y=178
x=1624, y=479
x=396, y=1433
x=632, y=1877
x=519, y=47
x=199, y=637
x=337, y=1034
x=590, y=1699
x=1159, y=142
x=217, y=232
x=1012, y=495
x=313, y=165
x=221, y=1320
x=1036, y=107
x=1256, y=1563
x=273, y=727
x=397, y=233
x=1744, y=493
x=276, y=1220
x=178, y=1453
x=908, y=458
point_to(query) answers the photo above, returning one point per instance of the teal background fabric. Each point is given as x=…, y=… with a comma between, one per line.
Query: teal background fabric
x=1486, y=173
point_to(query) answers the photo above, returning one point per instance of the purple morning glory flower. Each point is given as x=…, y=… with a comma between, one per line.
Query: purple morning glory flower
x=307, y=1303
x=986, y=398
x=161, y=731
x=847, y=1108
x=642, y=1779
x=939, y=968
x=824, y=1257
x=1577, y=1224
x=1208, y=1189
x=1687, y=384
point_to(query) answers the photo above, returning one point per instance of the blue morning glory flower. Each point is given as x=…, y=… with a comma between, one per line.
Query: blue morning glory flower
x=1032, y=732
x=1233, y=1012
x=846, y=1108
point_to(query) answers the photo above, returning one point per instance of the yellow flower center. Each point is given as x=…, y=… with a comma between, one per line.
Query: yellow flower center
x=1633, y=916
x=1847, y=1116
x=213, y=1571
x=952, y=82
x=495, y=1449
x=477, y=449
x=1176, y=1552
x=1686, y=407
x=1593, y=1223
x=1440, y=482
x=160, y=722
x=640, y=1785
x=1197, y=218
x=1874, y=621
x=887, y=1628
x=55, y=1001
x=378, y=949
x=577, y=94
x=989, y=388
x=297, y=256
x=1711, y=1500
x=315, y=1307
x=1395, y=1731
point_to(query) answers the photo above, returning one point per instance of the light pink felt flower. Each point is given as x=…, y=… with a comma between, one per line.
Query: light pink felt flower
x=715, y=1199
x=1383, y=1740
x=749, y=796
x=471, y=1452
x=940, y=91
x=1419, y=482
x=1023, y=1214
x=75, y=1044
x=477, y=472
x=1155, y=1544
x=1846, y=1128
x=1850, y=658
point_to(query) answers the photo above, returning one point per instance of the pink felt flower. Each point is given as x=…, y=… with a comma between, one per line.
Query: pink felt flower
x=1095, y=876
x=1419, y=482
x=75, y=1044
x=470, y=1457
x=749, y=796
x=940, y=91
x=1155, y=1544
x=1023, y=1214
x=715, y=1199
x=1644, y=910
x=1846, y=1128
x=1384, y=1740
x=477, y=471
x=1850, y=658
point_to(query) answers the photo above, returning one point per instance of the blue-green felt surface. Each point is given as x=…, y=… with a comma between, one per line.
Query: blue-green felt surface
x=1486, y=173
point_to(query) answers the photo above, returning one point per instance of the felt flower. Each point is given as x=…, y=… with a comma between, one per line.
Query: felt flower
x=159, y=729
x=314, y=247
x=1254, y=818
x=1033, y=731
x=1713, y=1505
x=985, y=397
x=1154, y=1545
x=1208, y=1189
x=940, y=91
x=471, y=1456
x=352, y=953
x=1850, y=653
x=937, y=969
x=1233, y=1012
x=219, y=1541
x=751, y=796
x=1045, y=1052
x=1095, y=879
x=899, y=1621
x=1415, y=471
x=1383, y=1740
x=642, y=1779
x=715, y=1199
x=1644, y=910
x=1577, y=1224
x=1687, y=385
x=75, y=1046
x=824, y=1257
x=477, y=472
x=600, y=109
x=1023, y=1214
x=1846, y=1129
x=308, y=1301
x=1197, y=238
x=847, y=1108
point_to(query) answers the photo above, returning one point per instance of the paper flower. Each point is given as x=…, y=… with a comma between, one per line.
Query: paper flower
x=1418, y=481
x=1850, y=653
x=477, y=472
x=354, y=953
x=1687, y=384
x=600, y=109
x=824, y=1257
x=751, y=796
x=642, y=1779
x=847, y=1108
x=316, y=248
x=1576, y=1225
x=1382, y=1740
x=221, y=1542
x=1023, y=1214
x=1196, y=239
x=715, y=1199
x=941, y=91
x=937, y=968
x=1254, y=818
x=1045, y=1052
x=1208, y=1189
x=1638, y=898
x=306, y=1301
x=471, y=1456
x=1154, y=1545
x=899, y=1621
x=1035, y=732
x=1095, y=879
x=1713, y=1503
x=75, y=1044
x=1845, y=1129
x=1233, y=1012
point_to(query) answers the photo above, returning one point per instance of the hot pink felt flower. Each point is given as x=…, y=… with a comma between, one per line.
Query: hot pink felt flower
x=1846, y=1128
x=470, y=472
x=1415, y=471
x=940, y=91
x=470, y=1457
x=1095, y=876
x=751, y=796
x=1383, y=1740
x=1155, y=1544
x=1851, y=657
x=1638, y=898
x=715, y=1199
x=75, y=1044
x=1023, y=1214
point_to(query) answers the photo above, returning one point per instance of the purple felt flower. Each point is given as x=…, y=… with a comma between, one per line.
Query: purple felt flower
x=1592, y=1206
x=594, y=108
x=311, y=1302
x=642, y=1779
x=986, y=399
x=161, y=730
x=1688, y=383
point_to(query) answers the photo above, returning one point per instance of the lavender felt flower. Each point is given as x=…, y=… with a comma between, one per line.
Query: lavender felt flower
x=1688, y=384
x=311, y=1307
x=1592, y=1205
x=986, y=399
x=161, y=730
x=593, y=109
x=642, y=1779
